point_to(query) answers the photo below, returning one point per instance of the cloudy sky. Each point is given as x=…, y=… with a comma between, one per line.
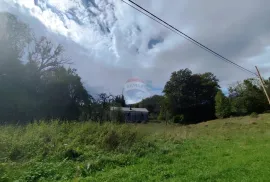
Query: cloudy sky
x=109, y=42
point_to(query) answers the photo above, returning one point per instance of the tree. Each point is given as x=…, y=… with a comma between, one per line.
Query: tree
x=102, y=107
x=46, y=56
x=14, y=37
x=64, y=95
x=119, y=100
x=164, y=113
x=223, y=108
x=153, y=105
x=41, y=88
x=192, y=95
x=247, y=97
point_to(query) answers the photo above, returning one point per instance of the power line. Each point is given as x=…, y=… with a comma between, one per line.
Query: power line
x=175, y=30
x=170, y=27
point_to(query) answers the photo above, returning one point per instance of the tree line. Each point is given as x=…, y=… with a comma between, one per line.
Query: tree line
x=37, y=83
x=192, y=98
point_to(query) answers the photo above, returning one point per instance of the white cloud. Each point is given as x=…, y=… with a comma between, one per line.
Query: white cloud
x=108, y=41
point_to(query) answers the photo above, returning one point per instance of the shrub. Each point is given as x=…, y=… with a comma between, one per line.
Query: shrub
x=161, y=116
x=254, y=115
x=15, y=154
x=111, y=140
x=178, y=118
x=72, y=154
x=40, y=171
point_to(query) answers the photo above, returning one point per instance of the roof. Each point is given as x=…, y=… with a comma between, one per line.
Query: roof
x=127, y=109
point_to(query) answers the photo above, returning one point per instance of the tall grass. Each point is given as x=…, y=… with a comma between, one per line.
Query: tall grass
x=90, y=144
x=65, y=151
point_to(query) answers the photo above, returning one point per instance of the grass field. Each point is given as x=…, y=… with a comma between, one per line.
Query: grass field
x=235, y=149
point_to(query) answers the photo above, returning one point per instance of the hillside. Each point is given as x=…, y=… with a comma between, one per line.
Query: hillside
x=234, y=149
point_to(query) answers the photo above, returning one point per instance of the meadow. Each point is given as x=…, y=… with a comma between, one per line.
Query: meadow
x=234, y=149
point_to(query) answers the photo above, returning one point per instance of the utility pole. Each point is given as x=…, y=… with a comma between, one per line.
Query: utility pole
x=263, y=84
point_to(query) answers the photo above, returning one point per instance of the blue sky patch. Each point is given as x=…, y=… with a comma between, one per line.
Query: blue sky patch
x=154, y=41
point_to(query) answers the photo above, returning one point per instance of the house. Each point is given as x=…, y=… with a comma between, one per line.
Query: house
x=133, y=115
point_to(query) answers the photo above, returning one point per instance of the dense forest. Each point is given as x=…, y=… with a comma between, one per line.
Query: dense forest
x=37, y=83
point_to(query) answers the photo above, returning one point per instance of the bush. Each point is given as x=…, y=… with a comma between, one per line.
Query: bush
x=41, y=171
x=15, y=154
x=111, y=140
x=178, y=118
x=72, y=154
x=254, y=115
x=153, y=116
x=161, y=117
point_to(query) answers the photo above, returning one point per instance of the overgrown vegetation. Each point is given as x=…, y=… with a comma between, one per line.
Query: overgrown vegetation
x=220, y=150
x=58, y=150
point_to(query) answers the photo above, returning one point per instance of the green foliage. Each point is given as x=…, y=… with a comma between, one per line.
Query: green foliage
x=111, y=140
x=179, y=119
x=164, y=114
x=56, y=150
x=72, y=154
x=223, y=107
x=3, y=175
x=93, y=152
x=152, y=104
x=15, y=154
x=120, y=100
x=254, y=115
x=42, y=88
x=64, y=140
x=192, y=95
x=247, y=97
x=51, y=151
x=161, y=116
x=39, y=172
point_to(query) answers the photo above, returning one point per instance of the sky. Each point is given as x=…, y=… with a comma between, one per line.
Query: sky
x=109, y=42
